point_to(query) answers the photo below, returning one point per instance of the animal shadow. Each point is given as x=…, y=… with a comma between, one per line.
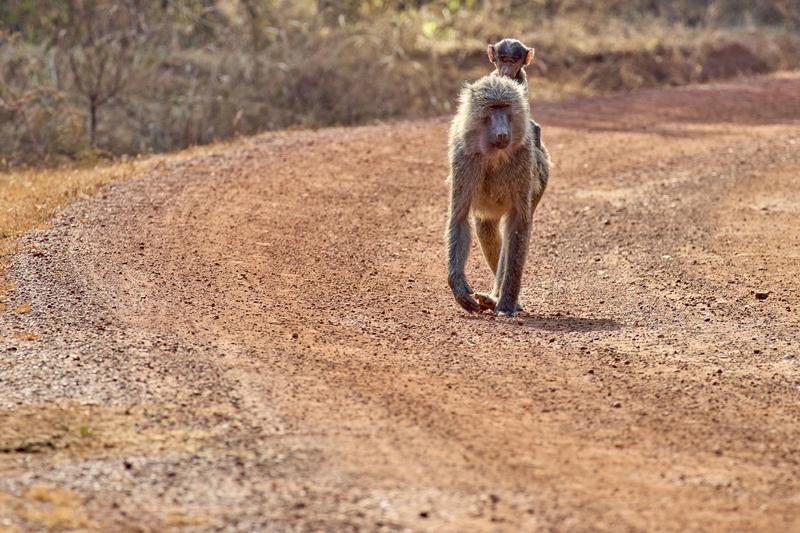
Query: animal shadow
x=558, y=322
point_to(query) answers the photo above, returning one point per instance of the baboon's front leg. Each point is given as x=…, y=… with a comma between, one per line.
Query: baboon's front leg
x=458, y=241
x=512, y=261
x=458, y=249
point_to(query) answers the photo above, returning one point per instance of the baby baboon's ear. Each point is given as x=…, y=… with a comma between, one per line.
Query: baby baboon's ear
x=529, y=56
x=490, y=53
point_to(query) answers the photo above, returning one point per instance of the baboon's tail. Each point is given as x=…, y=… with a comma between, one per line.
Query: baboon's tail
x=543, y=164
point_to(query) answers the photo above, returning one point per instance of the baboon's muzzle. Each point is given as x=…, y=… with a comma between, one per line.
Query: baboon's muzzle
x=509, y=71
x=501, y=139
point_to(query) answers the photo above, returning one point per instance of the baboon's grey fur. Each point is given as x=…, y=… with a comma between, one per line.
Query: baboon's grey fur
x=498, y=187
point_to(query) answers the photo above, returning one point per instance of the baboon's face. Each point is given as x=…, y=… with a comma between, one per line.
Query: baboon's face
x=498, y=126
x=496, y=118
x=509, y=56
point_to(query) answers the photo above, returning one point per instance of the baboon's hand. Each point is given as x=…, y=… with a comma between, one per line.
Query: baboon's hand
x=463, y=293
x=466, y=301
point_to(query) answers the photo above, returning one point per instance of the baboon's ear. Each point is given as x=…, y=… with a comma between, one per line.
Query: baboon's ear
x=490, y=53
x=529, y=56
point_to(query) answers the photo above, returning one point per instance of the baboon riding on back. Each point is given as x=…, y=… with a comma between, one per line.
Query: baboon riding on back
x=497, y=177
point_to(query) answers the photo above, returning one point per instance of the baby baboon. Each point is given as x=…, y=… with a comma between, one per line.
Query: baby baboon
x=510, y=57
x=497, y=176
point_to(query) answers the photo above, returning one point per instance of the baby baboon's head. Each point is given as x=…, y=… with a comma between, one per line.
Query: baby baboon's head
x=509, y=56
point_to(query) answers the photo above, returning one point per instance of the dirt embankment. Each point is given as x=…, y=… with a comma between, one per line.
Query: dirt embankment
x=260, y=336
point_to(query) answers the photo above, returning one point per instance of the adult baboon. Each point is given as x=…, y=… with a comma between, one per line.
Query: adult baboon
x=497, y=176
x=510, y=57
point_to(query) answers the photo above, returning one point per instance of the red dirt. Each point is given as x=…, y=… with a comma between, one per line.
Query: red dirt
x=268, y=330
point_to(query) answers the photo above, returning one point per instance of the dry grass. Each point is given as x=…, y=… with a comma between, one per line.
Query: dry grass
x=28, y=199
x=55, y=508
x=71, y=432
x=188, y=518
x=43, y=507
x=28, y=336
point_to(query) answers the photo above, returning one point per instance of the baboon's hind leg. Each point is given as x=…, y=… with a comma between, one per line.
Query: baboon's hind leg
x=491, y=241
x=489, y=236
x=516, y=231
x=489, y=301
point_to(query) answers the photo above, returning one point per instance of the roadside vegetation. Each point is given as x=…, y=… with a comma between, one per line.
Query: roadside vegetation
x=29, y=197
x=88, y=79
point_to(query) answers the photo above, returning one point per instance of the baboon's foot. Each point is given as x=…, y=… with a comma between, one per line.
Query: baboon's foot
x=486, y=301
x=489, y=301
x=498, y=311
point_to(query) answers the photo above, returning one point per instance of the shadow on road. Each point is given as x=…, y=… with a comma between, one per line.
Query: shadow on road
x=556, y=322
x=568, y=323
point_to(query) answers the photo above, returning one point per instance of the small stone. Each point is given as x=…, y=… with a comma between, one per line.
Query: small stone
x=616, y=405
x=295, y=335
x=761, y=295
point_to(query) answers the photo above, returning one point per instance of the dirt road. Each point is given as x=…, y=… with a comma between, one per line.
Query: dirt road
x=259, y=336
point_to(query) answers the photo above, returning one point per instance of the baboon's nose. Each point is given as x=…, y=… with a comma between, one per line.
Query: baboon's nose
x=501, y=139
